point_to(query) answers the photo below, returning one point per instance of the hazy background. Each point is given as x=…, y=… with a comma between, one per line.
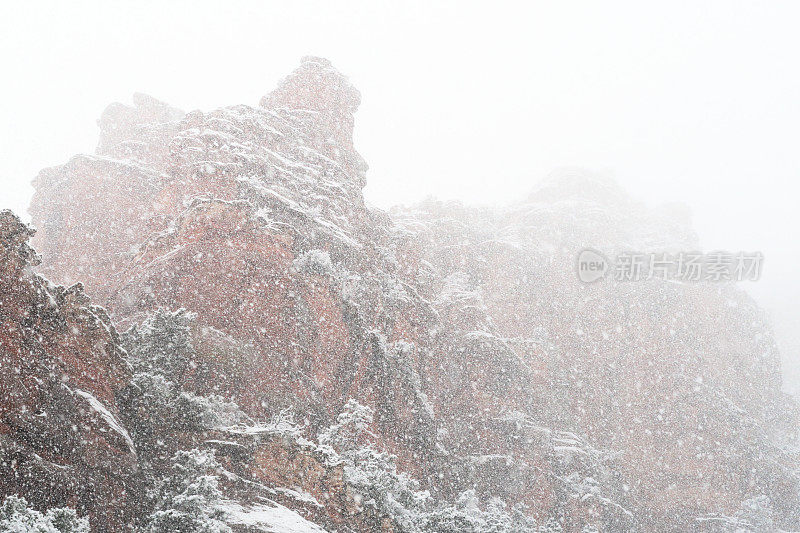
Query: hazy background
x=695, y=102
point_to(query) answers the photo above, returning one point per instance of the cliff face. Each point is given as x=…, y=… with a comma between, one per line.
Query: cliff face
x=61, y=366
x=682, y=380
x=487, y=364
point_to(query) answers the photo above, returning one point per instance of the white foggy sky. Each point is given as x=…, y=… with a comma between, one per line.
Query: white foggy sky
x=687, y=101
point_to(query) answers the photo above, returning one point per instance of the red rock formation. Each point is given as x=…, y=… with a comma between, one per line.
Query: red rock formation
x=321, y=89
x=682, y=380
x=488, y=365
x=60, y=369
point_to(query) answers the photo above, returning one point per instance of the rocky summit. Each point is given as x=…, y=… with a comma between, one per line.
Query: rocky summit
x=246, y=345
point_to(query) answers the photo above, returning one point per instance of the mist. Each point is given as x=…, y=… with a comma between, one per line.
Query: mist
x=687, y=103
x=463, y=105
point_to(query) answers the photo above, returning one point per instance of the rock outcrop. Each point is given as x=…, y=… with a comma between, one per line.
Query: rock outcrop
x=60, y=369
x=643, y=406
x=681, y=380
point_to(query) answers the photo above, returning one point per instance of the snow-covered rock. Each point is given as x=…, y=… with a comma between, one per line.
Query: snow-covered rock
x=490, y=368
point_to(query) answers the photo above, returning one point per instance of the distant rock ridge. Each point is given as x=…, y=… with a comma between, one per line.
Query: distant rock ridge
x=141, y=132
x=647, y=406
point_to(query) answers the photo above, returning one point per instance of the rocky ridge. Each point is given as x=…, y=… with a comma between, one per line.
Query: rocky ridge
x=489, y=369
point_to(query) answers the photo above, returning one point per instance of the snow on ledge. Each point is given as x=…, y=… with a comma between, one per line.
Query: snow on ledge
x=107, y=416
x=268, y=517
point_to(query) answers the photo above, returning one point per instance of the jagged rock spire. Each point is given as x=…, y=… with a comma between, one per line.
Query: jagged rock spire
x=317, y=86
